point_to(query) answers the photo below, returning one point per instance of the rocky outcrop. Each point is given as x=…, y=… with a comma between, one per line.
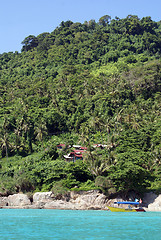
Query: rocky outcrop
x=82, y=200
x=74, y=200
x=152, y=202
x=42, y=197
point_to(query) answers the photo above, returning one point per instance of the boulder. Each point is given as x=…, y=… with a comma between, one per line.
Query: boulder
x=18, y=200
x=92, y=199
x=42, y=197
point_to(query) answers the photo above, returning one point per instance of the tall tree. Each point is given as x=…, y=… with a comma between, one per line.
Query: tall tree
x=104, y=20
x=29, y=43
x=40, y=131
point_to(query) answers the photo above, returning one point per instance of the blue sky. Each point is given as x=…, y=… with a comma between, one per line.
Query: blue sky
x=19, y=18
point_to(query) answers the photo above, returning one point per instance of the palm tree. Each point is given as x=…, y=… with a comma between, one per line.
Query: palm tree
x=108, y=125
x=97, y=167
x=5, y=144
x=127, y=117
x=96, y=123
x=96, y=164
x=17, y=137
x=27, y=130
x=85, y=134
x=134, y=123
x=112, y=140
x=40, y=131
x=4, y=136
x=111, y=158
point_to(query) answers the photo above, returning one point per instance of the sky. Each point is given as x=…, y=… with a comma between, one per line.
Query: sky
x=21, y=18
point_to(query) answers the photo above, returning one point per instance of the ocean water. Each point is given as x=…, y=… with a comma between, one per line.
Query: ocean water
x=28, y=224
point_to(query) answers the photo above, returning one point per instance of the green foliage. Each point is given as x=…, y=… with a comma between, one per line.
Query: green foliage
x=83, y=84
x=131, y=171
x=106, y=185
x=87, y=186
x=58, y=189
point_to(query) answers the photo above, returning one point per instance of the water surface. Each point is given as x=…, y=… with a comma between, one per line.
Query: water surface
x=29, y=224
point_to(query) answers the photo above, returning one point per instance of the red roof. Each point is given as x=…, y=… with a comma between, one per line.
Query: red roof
x=79, y=151
x=61, y=145
x=83, y=148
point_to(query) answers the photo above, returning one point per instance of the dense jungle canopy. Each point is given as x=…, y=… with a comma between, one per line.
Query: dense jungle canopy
x=90, y=83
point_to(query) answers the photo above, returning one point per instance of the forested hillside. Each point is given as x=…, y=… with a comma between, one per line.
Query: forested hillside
x=90, y=83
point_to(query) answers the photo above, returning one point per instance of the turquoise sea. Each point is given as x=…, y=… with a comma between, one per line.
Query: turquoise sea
x=28, y=224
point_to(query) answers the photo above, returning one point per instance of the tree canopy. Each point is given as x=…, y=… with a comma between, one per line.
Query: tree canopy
x=83, y=84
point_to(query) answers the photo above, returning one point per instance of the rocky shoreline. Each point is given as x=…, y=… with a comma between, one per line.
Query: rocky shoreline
x=83, y=200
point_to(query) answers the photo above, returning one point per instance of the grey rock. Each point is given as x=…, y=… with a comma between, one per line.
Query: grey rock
x=19, y=200
x=42, y=197
x=155, y=205
x=83, y=200
x=3, y=201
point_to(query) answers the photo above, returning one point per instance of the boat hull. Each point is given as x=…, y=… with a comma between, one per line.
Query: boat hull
x=117, y=209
